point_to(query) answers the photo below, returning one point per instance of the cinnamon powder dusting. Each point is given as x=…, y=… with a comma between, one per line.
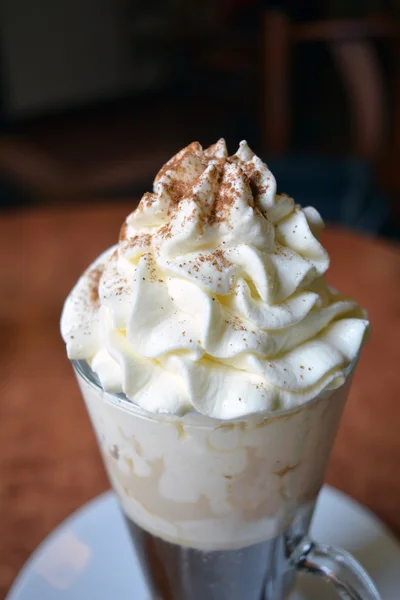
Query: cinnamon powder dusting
x=147, y=200
x=143, y=240
x=94, y=276
x=175, y=161
x=224, y=197
x=254, y=179
x=227, y=196
x=176, y=190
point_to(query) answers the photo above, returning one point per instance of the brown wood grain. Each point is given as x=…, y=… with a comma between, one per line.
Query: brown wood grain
x=49, y=463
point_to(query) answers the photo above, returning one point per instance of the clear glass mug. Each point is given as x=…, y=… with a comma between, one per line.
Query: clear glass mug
x=221, y=510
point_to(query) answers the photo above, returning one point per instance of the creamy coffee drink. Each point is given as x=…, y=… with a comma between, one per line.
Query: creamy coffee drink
x=214, y=360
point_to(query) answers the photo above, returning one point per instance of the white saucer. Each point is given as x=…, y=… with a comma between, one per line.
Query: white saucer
x=90, y=556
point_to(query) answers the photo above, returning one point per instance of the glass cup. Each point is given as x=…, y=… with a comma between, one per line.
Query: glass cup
x=221, y=509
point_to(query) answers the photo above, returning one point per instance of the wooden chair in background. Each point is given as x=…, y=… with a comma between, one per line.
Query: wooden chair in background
x=375, y=133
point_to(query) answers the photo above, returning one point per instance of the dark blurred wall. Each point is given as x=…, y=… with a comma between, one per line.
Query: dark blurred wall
x=60, y=53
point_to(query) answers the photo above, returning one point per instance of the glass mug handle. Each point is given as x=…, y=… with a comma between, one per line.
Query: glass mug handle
x=335, y=566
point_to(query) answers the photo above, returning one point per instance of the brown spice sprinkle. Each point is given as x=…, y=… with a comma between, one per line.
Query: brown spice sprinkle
x=237, y=323
x=165, y=231
x=143, y=240
x=217, y=259
x=225, y=199
x=148, y=199
x=224, y=191
x=220, y=261
x=173, y=163
x=210, y=152
x=255, y=179
x=176, y=190
x=94, y=276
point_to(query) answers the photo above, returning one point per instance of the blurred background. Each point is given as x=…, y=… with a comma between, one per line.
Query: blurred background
x=96, y=94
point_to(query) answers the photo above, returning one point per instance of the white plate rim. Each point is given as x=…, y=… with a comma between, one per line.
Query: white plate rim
x=91, y=504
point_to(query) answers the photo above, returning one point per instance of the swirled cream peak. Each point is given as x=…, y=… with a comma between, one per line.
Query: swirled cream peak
x=214, y=298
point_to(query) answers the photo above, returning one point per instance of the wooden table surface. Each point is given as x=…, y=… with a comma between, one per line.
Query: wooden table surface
x=49, y=463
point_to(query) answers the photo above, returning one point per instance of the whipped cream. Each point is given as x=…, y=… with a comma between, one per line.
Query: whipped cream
x=214, y=298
